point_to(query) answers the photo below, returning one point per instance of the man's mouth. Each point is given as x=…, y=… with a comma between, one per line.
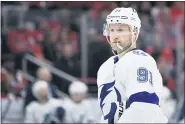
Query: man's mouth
x=116, y=42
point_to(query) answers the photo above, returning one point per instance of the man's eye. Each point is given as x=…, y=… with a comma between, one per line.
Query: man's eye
x=111, y=30
x=120, y=30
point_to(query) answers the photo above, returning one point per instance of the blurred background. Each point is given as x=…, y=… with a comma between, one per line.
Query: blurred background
x=61, y=43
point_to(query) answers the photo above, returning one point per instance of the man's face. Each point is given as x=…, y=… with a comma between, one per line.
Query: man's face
x=120, y=34
x=68, y=50
x=78, y=97
x=43, y=94
x=45, y=75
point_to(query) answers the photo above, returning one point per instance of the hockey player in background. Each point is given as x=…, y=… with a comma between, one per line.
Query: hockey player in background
x=36, y=110
x=79, y=108
x=129, y=83
x=168, y=103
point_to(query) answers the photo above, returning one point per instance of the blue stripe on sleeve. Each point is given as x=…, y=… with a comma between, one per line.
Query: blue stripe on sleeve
x=104, y=92
x=143, y=97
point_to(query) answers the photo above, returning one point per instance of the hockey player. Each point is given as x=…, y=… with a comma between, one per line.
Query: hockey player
x=79, y=109
x=168, y=104
x=36, y=110
x=129, y=82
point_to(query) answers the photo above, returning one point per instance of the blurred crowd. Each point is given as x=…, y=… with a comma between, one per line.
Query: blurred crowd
x=51, y=32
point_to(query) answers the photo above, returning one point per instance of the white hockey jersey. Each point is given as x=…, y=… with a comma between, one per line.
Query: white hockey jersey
x=132, y=78
x=79, y=112
x=35, y=111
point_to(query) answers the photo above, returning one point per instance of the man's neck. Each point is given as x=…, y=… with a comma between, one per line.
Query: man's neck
x=43, y=101
x=126, y=51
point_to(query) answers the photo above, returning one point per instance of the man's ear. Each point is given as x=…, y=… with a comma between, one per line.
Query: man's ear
x=136, y=33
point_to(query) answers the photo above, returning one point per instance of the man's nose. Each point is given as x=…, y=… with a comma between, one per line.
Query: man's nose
x=116, y=38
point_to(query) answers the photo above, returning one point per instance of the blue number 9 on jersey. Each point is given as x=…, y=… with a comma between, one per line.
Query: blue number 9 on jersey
x=142, y=74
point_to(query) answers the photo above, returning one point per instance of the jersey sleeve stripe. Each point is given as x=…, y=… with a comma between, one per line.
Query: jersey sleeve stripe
x=143, y=97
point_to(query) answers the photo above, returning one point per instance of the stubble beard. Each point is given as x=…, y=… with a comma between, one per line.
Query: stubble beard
x=125, y=46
